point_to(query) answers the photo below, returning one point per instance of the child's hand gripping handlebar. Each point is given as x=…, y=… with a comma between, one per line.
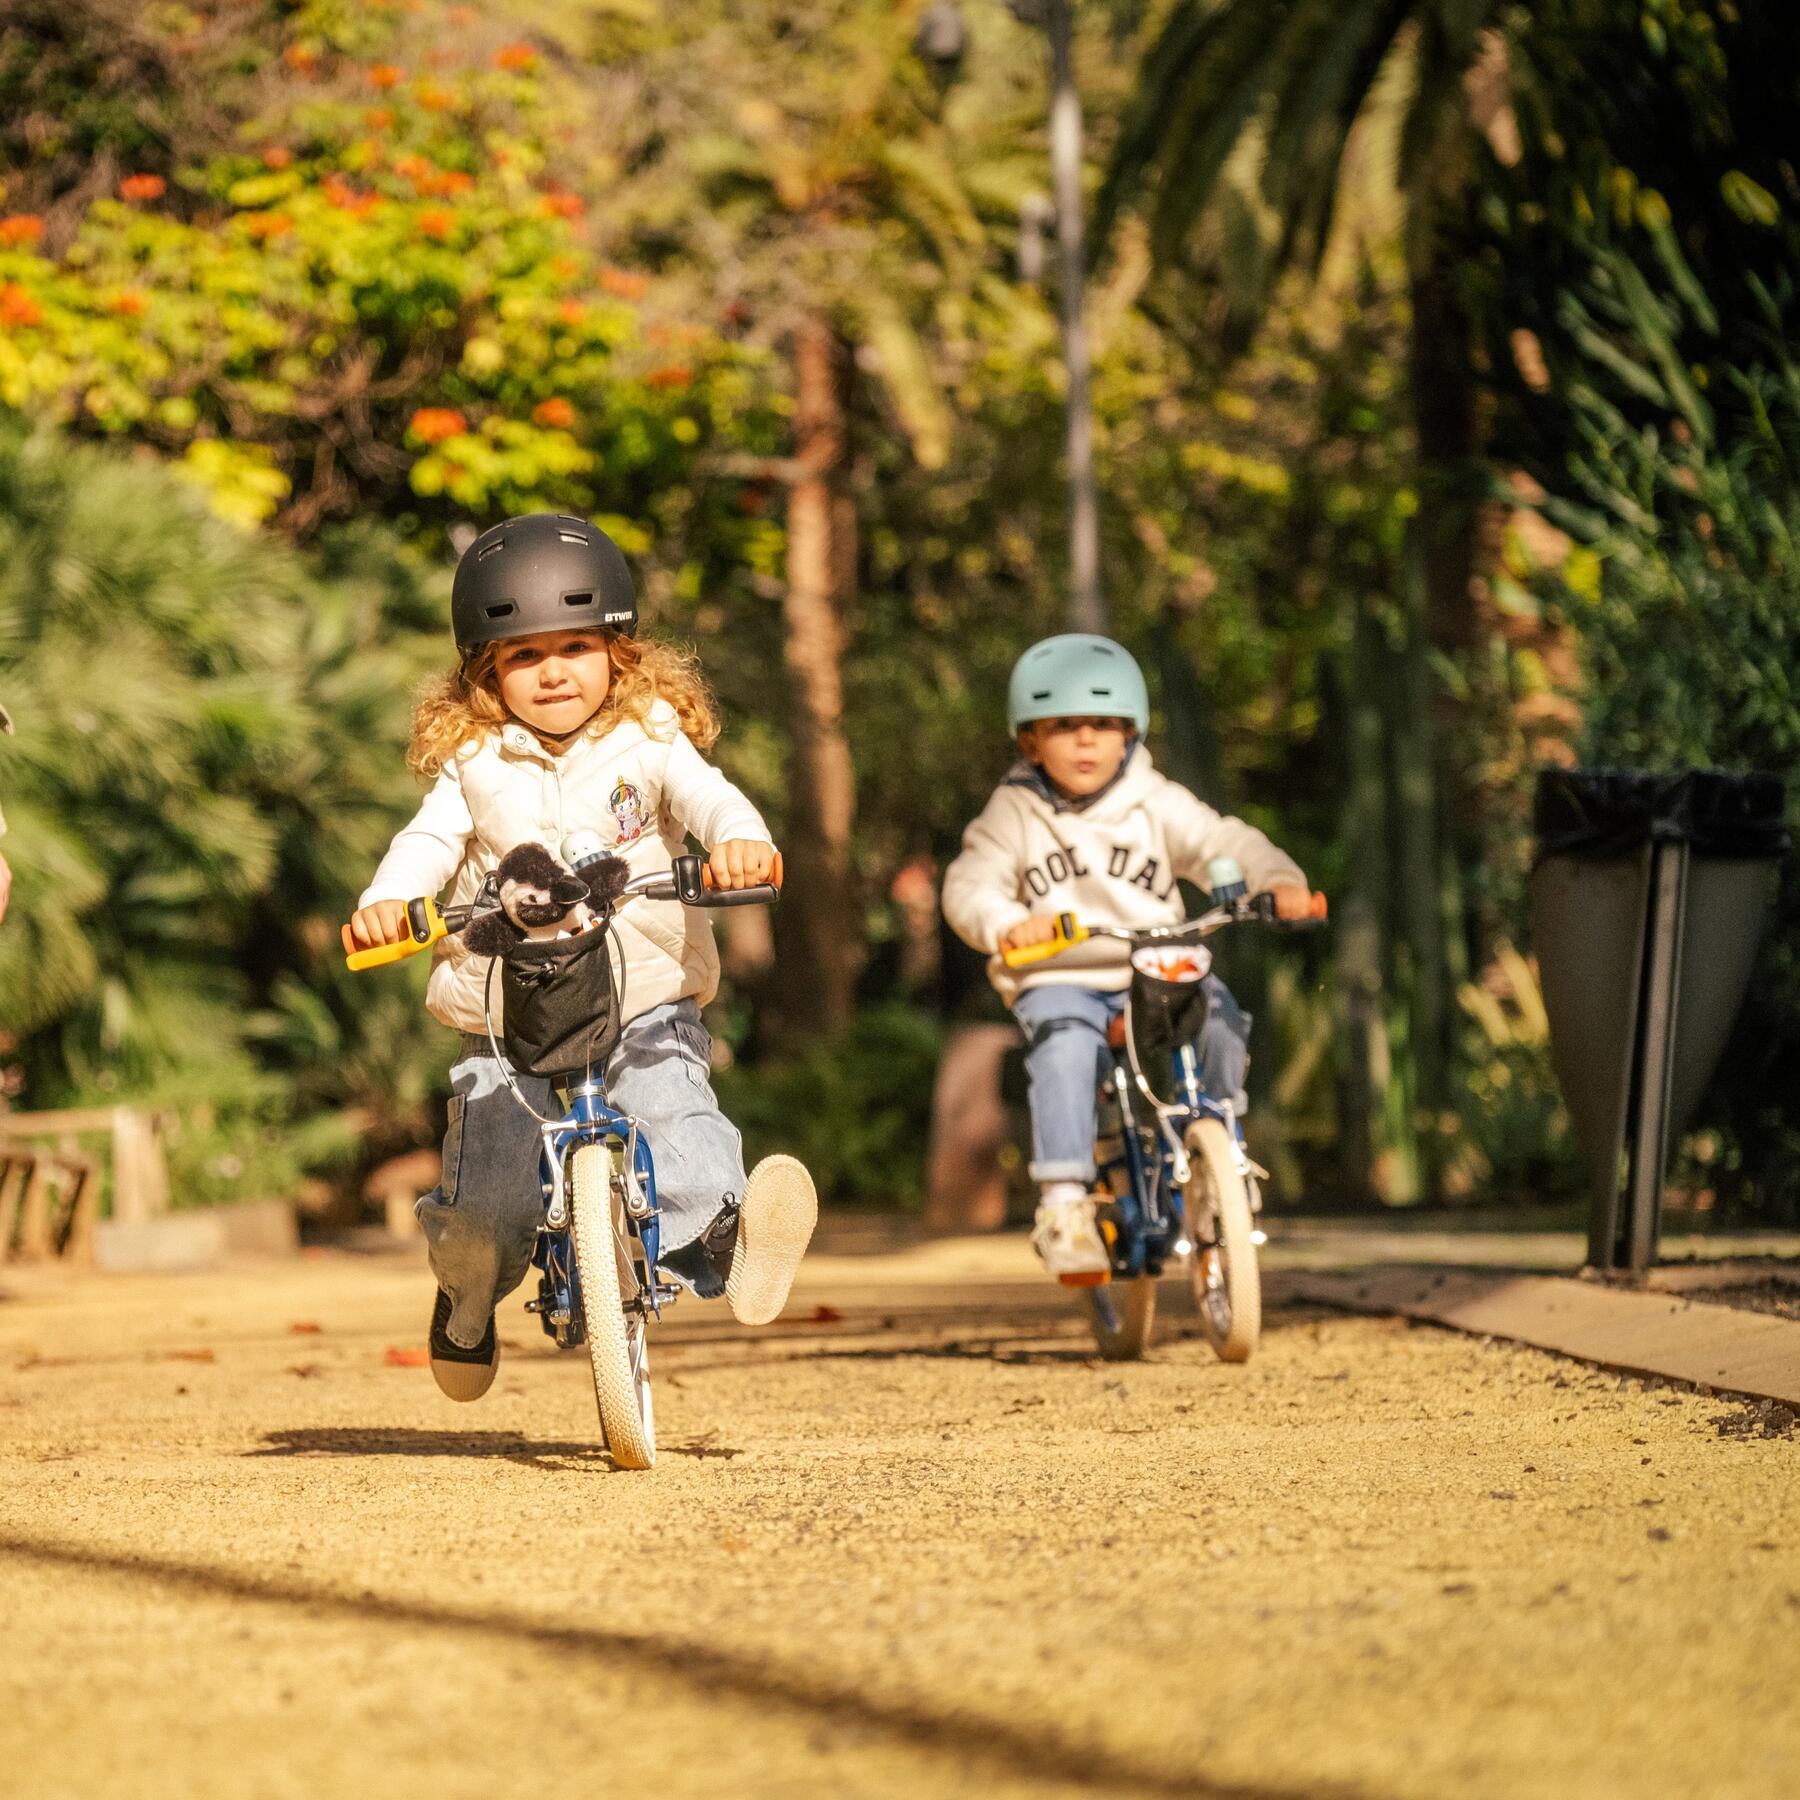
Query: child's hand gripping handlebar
x=425, y=925
x=1069, y=932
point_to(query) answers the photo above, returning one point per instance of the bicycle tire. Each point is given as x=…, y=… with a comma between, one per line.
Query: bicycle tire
x=1227, y=1282
x=1123, y=1317
x=617, y=1351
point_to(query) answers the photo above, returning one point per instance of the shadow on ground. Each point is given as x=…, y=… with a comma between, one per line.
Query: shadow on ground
x=812, y=1695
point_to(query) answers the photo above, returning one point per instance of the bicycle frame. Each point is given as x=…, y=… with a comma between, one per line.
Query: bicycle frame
x=1152, y=1225
x=589, y=1119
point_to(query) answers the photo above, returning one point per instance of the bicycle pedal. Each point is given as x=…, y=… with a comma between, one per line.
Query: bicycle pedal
x=1086, y=1278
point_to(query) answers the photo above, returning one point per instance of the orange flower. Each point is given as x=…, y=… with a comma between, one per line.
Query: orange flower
x=302, y=57
x=446, y=181
x=437, y=222
x=20, y=228
x=413, y=168
x=267, y=224
x=433, y=424
x=343, y=196
x=18, y=307
x=379, y=118
x=277, y=156
x=385, y=75
x=565, y=268
x=555, y=414
x=434, y=98
x=129, y=305
x=142, y=187
x=561, y=206
x=624, y=284
x=516, y=56
x=571, y=312
x=674, y=375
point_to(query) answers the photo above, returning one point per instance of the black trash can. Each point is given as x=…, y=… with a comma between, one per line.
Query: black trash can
x=1649, y=899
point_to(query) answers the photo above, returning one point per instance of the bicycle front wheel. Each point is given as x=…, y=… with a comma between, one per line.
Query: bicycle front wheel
x=1227, y=1282
x=615, y=1337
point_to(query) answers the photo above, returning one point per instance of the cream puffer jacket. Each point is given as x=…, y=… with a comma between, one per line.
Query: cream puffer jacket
x=1114, y=859
x=641, y=789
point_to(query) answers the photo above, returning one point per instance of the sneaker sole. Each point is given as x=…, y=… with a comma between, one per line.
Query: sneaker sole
x=465, y=1380
x=775, y=1225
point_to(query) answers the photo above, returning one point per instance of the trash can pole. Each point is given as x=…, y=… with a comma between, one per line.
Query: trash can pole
x=1611, y=1161
x=1656, y=1058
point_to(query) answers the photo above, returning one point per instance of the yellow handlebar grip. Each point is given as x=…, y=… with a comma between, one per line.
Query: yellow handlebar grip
x=1069, y=933
x=427, y=926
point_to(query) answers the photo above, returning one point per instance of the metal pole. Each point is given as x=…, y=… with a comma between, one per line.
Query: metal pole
x=1087, y=608
x=1656, y=1034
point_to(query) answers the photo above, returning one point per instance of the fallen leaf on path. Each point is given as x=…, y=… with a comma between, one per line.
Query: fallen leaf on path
x=306, y=1328
x=820, y=1315
x=188, y=1356
x=408, y=1358
x=306, y=1371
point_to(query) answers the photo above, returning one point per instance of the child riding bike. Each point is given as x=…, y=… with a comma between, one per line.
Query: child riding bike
x=1084, y=824
x=560, y=721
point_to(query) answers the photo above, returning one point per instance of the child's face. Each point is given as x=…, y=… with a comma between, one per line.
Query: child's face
x=553, y=681
x=1079, y=755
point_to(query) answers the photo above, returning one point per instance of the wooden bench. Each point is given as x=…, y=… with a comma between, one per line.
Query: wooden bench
x=50, y=1187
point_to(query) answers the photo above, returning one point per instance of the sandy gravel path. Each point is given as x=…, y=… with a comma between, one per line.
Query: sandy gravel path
x=916, y=1543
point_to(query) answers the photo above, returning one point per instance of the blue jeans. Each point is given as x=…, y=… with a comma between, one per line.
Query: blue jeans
x=481, y=1220
x=1066, y=1056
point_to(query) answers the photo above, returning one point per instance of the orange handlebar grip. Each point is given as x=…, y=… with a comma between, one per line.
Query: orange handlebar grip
x=775, y=874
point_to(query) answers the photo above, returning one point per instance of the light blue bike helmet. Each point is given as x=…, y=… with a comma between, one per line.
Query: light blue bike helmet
x=1077, y=676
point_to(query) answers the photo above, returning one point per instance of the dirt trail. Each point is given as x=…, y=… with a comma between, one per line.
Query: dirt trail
x=926, y=1546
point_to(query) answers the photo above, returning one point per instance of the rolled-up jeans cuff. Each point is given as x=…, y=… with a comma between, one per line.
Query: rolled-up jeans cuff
x=1042, y=1172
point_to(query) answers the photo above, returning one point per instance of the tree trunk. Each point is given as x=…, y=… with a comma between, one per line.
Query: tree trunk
x=1444, y=809
x=1372, y=1166
x=818, y=925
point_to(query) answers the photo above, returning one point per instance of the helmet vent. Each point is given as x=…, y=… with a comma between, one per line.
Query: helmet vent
x=488, y=550
x=503, y=610
x=578, y=599
x=574, y=537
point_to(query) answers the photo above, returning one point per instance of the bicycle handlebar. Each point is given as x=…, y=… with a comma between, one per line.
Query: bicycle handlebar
x=688, y=880
x=1258, y=907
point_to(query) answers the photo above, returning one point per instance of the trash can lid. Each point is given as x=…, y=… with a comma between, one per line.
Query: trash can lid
x=1607, y=812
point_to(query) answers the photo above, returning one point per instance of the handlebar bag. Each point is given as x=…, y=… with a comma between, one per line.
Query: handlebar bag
x=559, y=1010
x=1168, y=1008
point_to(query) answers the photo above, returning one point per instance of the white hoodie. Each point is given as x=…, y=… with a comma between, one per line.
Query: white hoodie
x=1113, y=859
x=640, y=791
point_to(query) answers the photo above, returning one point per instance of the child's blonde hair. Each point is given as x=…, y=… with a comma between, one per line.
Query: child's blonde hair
x=463, y=706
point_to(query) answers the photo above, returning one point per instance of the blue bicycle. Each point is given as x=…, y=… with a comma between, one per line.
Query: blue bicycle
x=598, y=1244
x=1175, y=1180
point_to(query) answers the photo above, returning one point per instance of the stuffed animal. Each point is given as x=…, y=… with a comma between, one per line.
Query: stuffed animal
x=540, y=899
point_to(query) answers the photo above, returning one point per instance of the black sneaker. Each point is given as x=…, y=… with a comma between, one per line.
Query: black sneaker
x=704, y=1264
x=462, y=1374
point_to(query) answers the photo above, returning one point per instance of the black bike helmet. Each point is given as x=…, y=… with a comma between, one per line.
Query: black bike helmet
x=542, y=572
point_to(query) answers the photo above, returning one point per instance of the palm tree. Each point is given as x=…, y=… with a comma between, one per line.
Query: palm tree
x=847, y=207
x=1241, y=145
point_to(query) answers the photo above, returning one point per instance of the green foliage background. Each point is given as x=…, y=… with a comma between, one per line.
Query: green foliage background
x=290, y=293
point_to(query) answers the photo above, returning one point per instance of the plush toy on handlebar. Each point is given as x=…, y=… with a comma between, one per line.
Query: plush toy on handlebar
x=540, y=898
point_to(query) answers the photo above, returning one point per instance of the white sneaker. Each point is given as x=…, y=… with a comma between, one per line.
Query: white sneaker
x=1068, y=1240
x=775, y=1224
